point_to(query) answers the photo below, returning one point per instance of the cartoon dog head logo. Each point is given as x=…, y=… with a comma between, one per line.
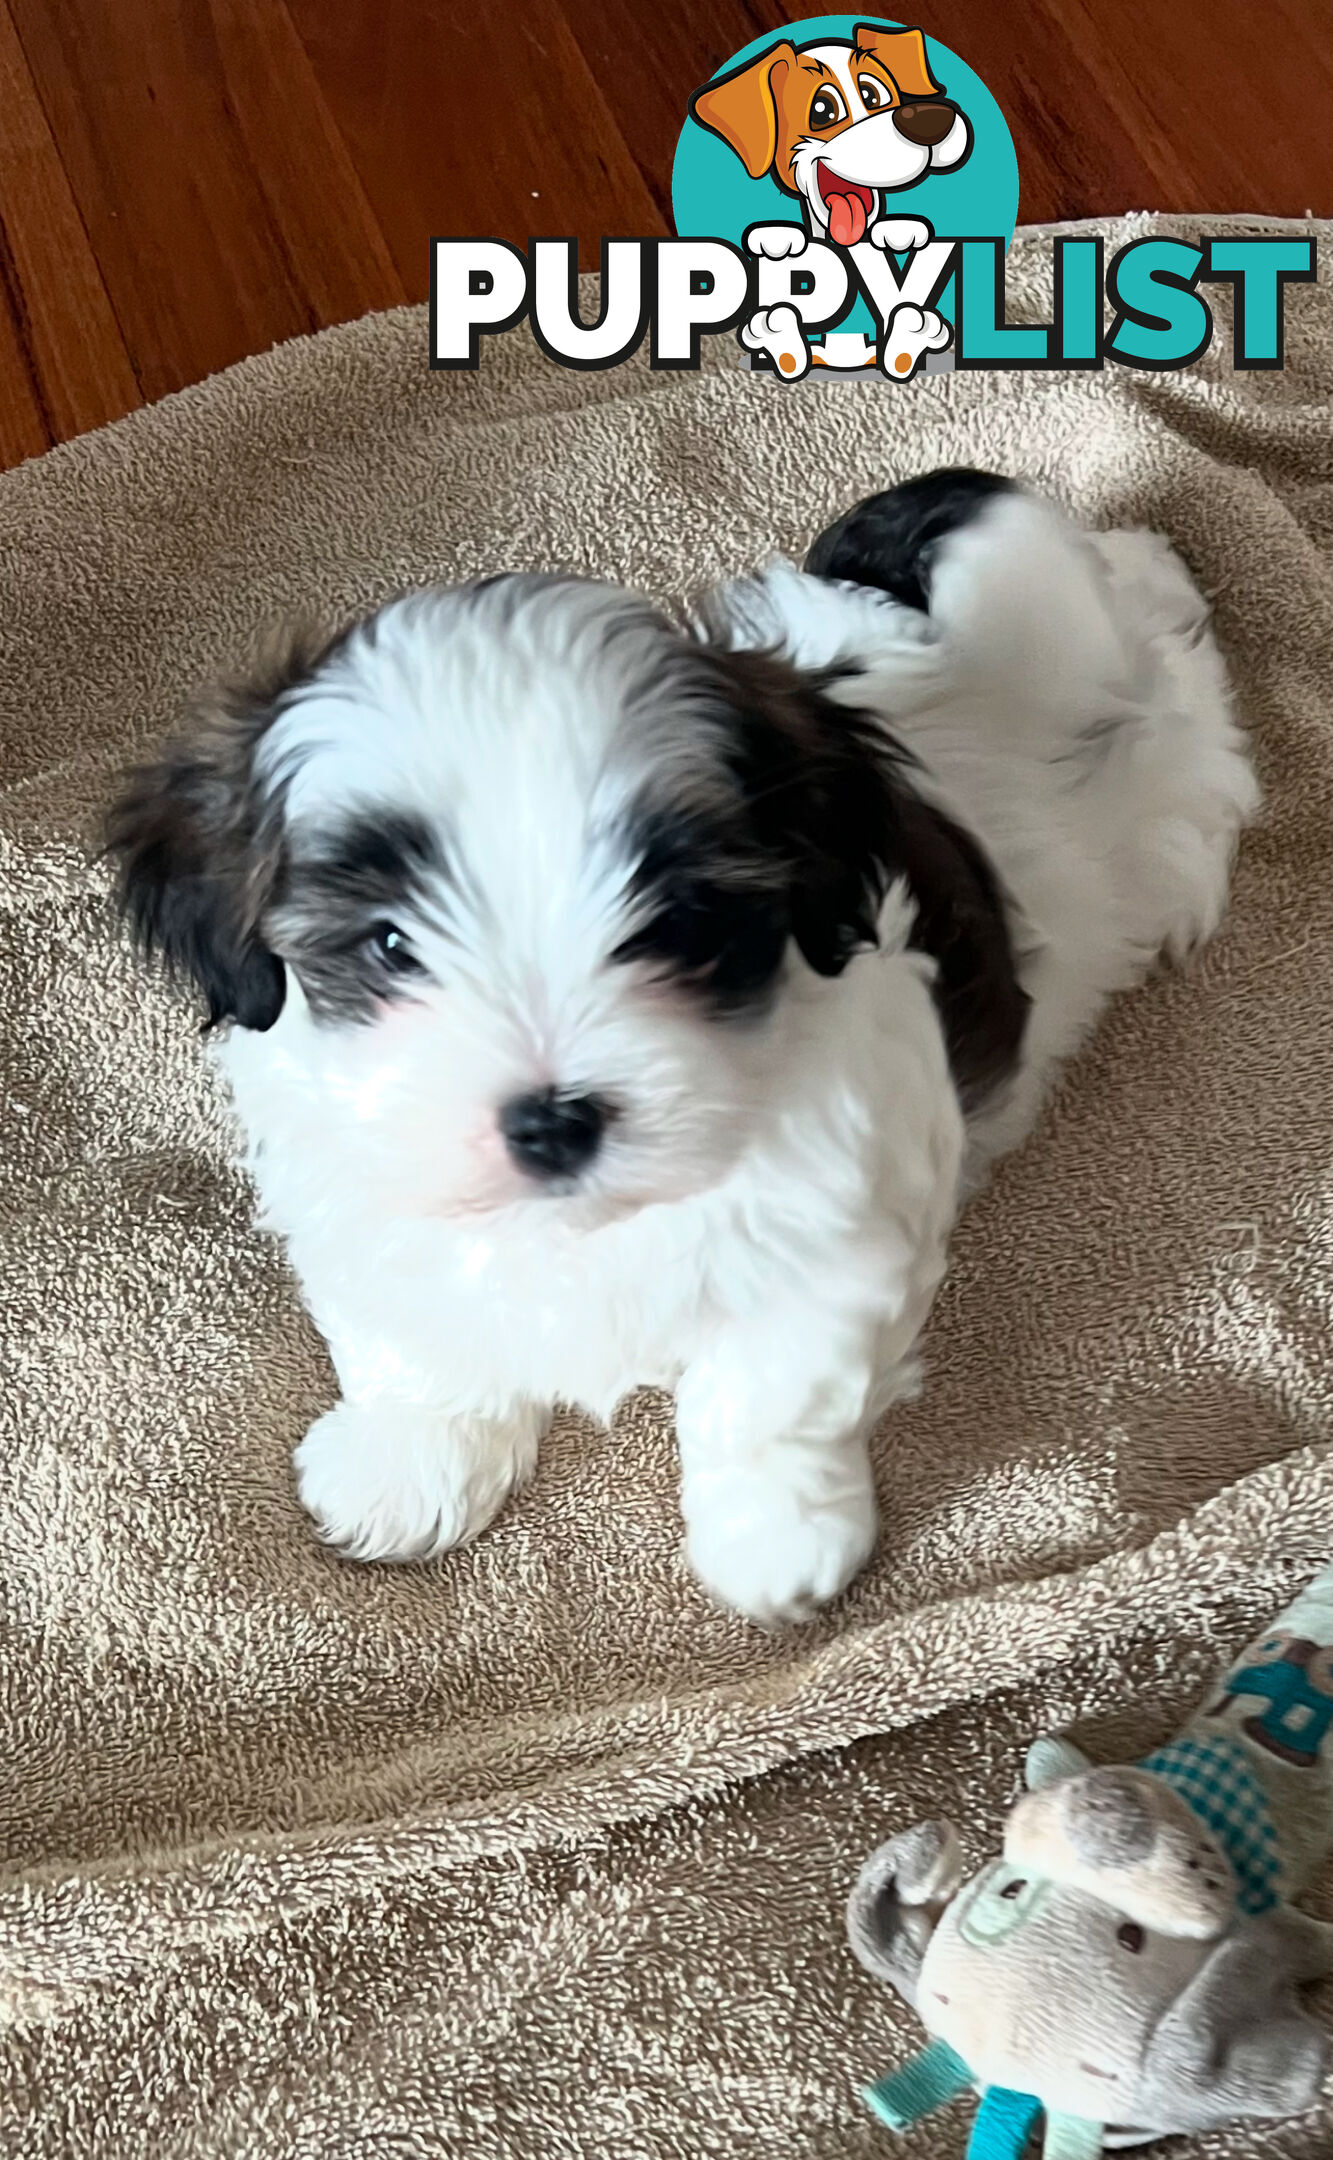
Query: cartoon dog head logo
x=839, y=123
x=845, y=159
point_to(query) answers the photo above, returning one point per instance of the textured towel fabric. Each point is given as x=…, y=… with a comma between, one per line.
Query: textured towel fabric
x=306, y=1857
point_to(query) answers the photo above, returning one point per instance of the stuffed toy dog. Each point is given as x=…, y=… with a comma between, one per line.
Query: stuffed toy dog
x=1130, y=1966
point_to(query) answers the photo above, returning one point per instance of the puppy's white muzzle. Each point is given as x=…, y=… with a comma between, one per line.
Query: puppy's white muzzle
x=875, y=153
x=881, y=152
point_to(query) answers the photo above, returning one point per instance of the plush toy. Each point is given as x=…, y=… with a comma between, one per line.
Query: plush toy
x=1130, y=1966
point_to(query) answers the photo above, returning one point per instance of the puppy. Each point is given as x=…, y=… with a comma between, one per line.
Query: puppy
x=615, y=1001
x=838, y=123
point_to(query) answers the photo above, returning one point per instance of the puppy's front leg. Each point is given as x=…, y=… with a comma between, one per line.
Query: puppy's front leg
x=393, y=1479
x=776, y=1490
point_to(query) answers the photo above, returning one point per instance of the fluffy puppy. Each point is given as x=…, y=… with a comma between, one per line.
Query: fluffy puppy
x=615, y=1001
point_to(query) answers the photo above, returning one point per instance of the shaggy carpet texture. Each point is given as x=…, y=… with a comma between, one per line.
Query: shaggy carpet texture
x=532, y=1851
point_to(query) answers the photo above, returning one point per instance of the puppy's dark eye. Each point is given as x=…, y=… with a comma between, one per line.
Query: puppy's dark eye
x=872, y=93
x=1015, y=1888
x=826, y=109
x=1129, y=1935
x=391, y=947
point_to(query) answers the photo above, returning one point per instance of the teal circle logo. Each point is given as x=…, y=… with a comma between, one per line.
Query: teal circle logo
x=714, y=192
x=846, y=126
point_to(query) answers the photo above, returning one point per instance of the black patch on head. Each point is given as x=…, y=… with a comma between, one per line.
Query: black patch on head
x=889, y=541
x=712, y=917
x=343, y=919
x=372, y=860
x=199, y=846
x=820, y=817
x=778, y=841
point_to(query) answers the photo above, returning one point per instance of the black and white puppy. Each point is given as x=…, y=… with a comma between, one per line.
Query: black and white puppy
x=618, y=1002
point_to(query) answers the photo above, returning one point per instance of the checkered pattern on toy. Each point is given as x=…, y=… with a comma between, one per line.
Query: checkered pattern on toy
x=1214, y=1778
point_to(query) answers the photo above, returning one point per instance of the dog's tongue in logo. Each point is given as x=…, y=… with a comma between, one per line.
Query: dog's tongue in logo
x=849, y=206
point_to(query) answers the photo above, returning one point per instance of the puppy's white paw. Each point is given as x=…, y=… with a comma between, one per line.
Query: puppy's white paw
x=773, y=1553
x=391, y=1481
x=777, y=242
x=910, y=333
x=777, y=331
x=900, y=235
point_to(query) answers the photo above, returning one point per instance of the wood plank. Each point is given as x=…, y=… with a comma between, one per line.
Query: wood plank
x=24, y=428
x=647, y=62
x=161, y=110
x=458, y=122
x=1231, y=102
x=76, y=363
x=329, y=233
x=138, y=108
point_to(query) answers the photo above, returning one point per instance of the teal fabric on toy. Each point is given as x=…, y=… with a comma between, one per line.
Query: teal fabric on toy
x=1005, y=2121
x=923, y=2084
x=1071, y=2137
x=1215, y=1779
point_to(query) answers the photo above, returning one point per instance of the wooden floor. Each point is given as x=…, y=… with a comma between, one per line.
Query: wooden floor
x=183, y=182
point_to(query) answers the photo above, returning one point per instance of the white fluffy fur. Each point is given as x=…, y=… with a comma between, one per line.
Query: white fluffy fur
x=769, y=1221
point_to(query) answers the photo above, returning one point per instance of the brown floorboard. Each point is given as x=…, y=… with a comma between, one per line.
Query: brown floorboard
x=68, y=368
x=183, y=182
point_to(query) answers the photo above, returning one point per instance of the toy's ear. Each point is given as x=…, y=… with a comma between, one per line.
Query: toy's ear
x=1235, y=2042
x=897, y=1899
x=1050, y=1759
x=903, y=53
x=742, y=107
x=1122, y=1835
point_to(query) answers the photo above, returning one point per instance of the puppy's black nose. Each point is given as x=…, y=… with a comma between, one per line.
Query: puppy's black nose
x=551, y=1135
x=924, y=125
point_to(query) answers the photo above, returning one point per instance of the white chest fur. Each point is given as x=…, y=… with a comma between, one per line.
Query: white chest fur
x=831, y=1203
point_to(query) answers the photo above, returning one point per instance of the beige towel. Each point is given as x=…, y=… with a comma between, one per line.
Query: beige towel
x=307, y=1857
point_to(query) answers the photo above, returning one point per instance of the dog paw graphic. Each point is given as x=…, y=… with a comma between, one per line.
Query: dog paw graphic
x=910, y=333
x=776, y=242
x=777, y=331
x=900, y=235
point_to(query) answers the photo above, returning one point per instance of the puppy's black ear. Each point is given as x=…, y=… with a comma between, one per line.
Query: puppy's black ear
x=817, y=778
x=199, y=842
x=836, y=800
